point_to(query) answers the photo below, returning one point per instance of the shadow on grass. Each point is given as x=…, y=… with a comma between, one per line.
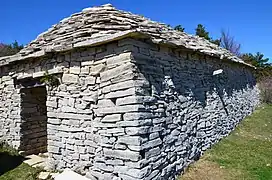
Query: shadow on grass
x=9, y=162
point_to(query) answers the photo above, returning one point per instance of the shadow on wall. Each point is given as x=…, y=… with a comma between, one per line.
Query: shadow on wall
x=193, y=108
x=195, y=79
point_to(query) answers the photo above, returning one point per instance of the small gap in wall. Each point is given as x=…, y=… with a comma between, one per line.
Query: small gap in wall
x=150, y=91
x=163, y=70
x=15, y=82
x=88, y=106
x=197, y=156
x=113, y=100
x=142, y=153
x=122, y=117
x=161, y=136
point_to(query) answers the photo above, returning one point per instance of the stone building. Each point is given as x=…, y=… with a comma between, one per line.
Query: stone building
x=114, y=95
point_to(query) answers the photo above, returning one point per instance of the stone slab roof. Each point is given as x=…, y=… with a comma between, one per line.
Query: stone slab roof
x=98, y=25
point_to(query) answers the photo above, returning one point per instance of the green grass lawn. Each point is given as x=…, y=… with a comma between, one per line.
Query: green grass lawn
x=22, y=172
x=13, y=168
x=244, y=155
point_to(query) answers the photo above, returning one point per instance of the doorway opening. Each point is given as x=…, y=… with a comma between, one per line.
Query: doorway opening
x=34, y=120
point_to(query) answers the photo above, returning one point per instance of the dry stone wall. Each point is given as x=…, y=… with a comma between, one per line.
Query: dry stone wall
x=187, y=108
x=129, y=109
x=85, y=110
x=9, y=109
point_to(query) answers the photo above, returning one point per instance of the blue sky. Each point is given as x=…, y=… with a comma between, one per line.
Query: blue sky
x=250, y=21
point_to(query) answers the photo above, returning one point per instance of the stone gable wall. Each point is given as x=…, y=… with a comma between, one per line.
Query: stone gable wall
x=130, y=109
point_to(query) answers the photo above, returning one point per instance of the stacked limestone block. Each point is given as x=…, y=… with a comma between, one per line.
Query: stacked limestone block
x=167, y=109
x=9, y=109
x=86, y=124
x=117, y=145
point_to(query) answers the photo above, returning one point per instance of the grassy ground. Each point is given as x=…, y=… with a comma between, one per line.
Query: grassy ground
x=13, y=168
x=244, y=155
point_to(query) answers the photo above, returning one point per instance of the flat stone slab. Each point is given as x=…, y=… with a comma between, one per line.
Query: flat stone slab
x=68, y=174
x=42, y=165
x=34, y=160
x=53, y=175
x=44, y=175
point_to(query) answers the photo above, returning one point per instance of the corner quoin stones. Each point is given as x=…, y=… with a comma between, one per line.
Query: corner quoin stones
x=136, y=99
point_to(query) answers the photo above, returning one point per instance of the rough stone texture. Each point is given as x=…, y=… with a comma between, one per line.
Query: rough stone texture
x=129, y=108
x=187, y=107
x=10, y=120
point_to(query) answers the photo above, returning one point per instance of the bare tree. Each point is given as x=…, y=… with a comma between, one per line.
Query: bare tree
x=228, y=42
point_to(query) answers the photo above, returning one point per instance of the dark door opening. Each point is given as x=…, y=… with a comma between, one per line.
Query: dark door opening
x=34, y=120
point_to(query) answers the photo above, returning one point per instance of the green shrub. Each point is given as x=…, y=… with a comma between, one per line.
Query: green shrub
x=5, y=147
